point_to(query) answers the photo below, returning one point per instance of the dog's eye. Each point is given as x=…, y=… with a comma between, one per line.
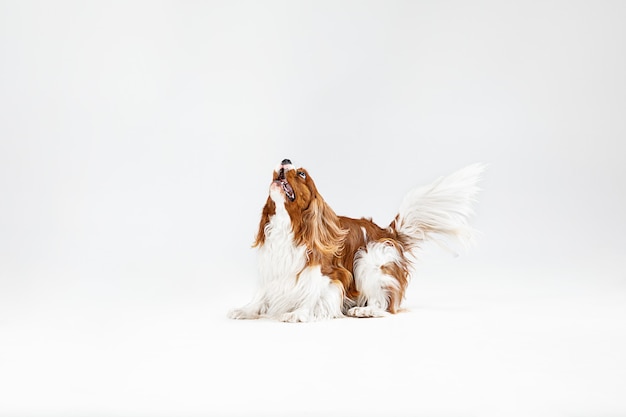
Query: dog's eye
x=302, y=175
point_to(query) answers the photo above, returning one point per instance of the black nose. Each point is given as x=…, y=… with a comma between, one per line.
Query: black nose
x=286, y=162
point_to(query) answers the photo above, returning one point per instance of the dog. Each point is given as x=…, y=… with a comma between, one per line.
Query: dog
x=316, y=265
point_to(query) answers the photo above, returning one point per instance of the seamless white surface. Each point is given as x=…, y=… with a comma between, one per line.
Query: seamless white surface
x=136, y=147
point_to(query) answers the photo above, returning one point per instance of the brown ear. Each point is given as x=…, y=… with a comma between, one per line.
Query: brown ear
x=268, y=210
x=321, y=231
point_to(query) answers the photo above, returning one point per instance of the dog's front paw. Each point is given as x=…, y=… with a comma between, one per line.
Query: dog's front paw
x=243, y=314
x=368, y=311
x=297, y=316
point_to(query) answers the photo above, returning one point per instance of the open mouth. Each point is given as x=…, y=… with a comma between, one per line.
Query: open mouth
x=285, y=185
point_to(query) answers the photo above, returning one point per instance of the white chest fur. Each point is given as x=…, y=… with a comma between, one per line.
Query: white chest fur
x=290, y=289
x=280, y=260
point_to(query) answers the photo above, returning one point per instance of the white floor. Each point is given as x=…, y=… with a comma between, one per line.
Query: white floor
x=474, y=342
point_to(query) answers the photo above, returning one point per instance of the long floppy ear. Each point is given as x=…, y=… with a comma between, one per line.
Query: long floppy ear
x=321, y=230
x=268, y=210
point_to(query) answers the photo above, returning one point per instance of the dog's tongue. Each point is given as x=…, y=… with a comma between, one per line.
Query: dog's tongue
x=288, y=190
x=286, y=187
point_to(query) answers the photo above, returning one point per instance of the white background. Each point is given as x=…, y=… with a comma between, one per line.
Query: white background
x=137, y=141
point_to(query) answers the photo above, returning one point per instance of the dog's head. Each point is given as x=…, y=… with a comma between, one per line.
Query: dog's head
x=313, y=222
x=294, y=187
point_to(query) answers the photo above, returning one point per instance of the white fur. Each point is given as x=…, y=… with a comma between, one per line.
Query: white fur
x=371, y=282
x=287, y=167
x=289, y=290
x=441, y=208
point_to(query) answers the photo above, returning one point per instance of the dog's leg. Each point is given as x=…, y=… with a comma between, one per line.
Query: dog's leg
x=253, y=310
x=318, y=297
x=380, y=280
x=374, y=294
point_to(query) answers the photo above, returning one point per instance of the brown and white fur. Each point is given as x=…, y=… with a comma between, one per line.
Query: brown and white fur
x=316, y=265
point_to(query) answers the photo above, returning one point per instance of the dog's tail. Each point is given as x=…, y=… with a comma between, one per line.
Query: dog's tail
x=439, y=210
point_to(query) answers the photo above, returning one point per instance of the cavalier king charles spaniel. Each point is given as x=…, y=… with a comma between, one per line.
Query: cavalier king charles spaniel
x=316, y=265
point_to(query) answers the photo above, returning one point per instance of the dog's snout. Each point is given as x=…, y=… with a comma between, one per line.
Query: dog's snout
x=286, y=162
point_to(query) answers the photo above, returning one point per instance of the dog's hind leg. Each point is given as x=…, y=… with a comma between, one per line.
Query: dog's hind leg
x=381, y=275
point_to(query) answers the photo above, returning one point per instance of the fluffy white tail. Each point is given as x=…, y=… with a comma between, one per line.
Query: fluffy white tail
x=441, y=209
